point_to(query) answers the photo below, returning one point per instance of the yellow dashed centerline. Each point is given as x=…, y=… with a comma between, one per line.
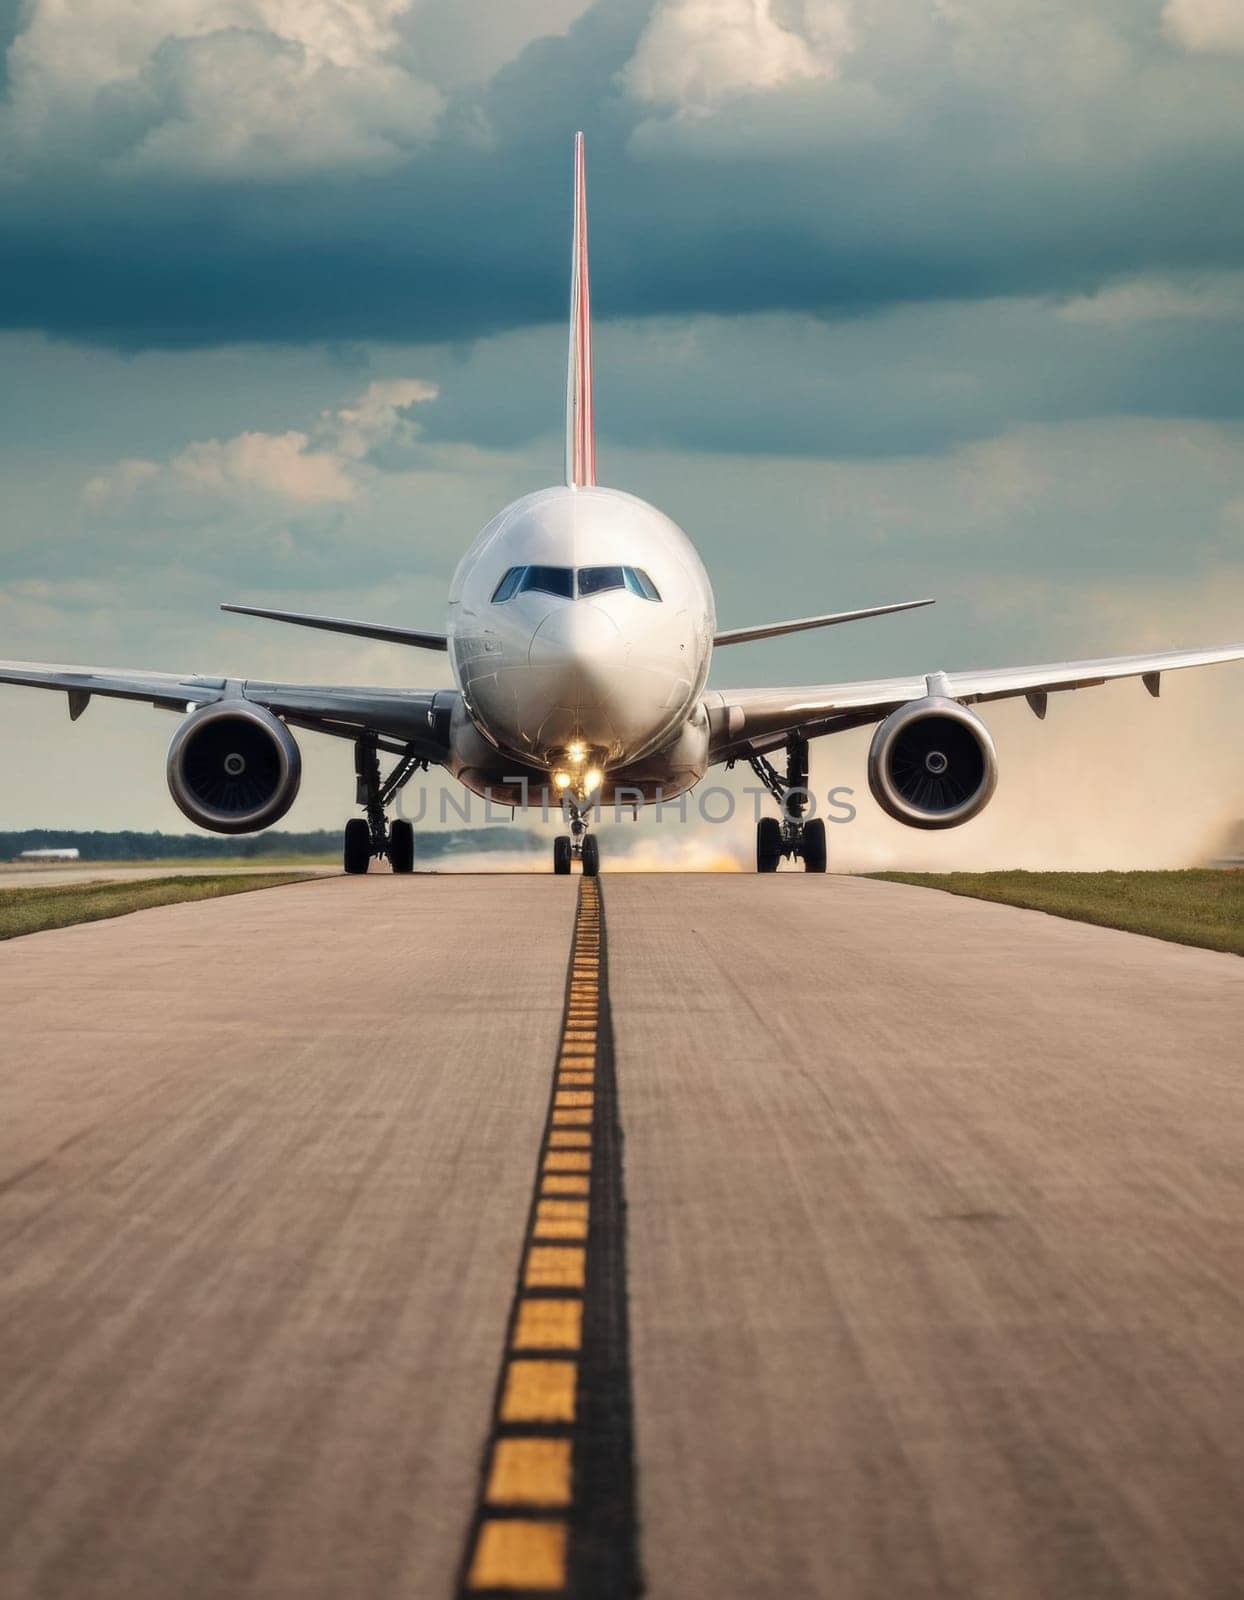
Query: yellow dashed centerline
x=527, y=1503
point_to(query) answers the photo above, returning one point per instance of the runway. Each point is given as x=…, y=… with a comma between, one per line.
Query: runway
x=929, y=1260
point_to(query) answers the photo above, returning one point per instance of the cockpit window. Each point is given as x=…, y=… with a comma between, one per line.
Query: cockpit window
x=509, y=584
x=561, y=581
x=549, y=580
x=638, y=582
x=595, y=580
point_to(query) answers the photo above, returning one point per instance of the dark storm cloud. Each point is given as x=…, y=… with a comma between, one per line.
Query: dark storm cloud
x=910, y=381
x=813, y=199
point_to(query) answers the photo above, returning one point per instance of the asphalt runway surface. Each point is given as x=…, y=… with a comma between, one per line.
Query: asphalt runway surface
x=772, y=1237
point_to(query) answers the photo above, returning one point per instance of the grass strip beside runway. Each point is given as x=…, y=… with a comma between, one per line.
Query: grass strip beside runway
x=1201, y=906
x=39, y=907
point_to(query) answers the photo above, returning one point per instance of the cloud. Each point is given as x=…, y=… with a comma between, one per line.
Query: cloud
x=1205, y=25
x=248, y=90
x=765, y=157
x=252, y=89
x=292, y=468
x=380, y=419
x=1218, y=296
x=694, y=54
x=279, y=465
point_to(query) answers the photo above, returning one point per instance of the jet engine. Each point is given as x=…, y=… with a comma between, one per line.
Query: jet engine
x=932, y=764
x=233, y=767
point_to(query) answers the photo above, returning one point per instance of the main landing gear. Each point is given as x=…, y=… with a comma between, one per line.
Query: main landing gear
x=794, y=836
x=373, y=835
x=578, y=844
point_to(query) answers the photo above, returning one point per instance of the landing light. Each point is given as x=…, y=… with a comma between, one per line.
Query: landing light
x=575, y=752
x=592, y=779
x=562, y=780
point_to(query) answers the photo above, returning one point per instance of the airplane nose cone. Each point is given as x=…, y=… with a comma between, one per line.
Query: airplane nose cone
x=578, y=639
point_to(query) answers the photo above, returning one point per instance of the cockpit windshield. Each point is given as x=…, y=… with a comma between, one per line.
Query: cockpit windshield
x=549, y=580
x=561, y=581
x=595, y=580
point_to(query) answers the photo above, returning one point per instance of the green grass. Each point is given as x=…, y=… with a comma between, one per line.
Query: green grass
x=1202, y=906
x=215, y=863
x=34, y=909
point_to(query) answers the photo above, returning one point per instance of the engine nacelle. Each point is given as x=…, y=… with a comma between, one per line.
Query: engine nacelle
x=932, y=764
x=233, y=767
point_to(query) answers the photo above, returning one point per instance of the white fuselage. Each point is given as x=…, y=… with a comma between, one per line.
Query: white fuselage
x=608, y=681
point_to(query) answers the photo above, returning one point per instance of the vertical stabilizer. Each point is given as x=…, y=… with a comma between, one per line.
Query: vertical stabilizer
x=580, y=422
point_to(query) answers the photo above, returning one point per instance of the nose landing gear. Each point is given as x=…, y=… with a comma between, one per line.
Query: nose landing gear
x=794, y=835
x=578, y=845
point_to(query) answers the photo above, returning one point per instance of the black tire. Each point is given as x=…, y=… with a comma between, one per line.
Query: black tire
x=591, y=856
x=768, y=844
x=561, y=854
x=815, y=849
x=356, y=850
x=402, y=846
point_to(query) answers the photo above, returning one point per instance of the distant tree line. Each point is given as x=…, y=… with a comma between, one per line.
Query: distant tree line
x=130, y=846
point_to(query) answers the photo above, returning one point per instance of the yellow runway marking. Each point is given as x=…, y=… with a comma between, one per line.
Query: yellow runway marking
x=555, y=1267
x=548, y=1325
x=565, y=1183
x=525, y=1527
x=539, y=1391
x=519, y=1555
x=529, y=1472
x=568, y=1161
x=561, y=1219
x=569, y=1139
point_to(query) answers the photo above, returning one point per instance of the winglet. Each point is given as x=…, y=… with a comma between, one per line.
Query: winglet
x=580, y=423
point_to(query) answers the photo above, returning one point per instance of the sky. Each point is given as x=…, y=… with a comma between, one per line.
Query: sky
x=892, y=297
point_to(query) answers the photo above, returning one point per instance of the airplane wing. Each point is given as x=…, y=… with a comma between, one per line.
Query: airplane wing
x=752, y=721
x=409, y=717
x=420, y=638
x=770, y=630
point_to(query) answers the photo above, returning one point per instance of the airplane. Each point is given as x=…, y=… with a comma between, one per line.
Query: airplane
x=581, y=628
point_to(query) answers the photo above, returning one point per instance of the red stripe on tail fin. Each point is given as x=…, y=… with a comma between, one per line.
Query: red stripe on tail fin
x=580, y=422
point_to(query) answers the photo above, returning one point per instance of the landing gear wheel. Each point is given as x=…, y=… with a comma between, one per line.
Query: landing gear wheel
x=561, y=855
x=815, y=849
x=768, y=844
x=591, y=856
x=356, y=852
x=402, y=846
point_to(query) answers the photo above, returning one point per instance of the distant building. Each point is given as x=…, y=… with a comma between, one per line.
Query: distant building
x=69, y=853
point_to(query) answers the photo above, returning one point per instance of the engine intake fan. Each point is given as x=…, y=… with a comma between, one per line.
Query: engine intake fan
x=932, y=764
x=234, y=767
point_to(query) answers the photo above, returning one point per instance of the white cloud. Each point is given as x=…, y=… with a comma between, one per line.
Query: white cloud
x=252, y=88
x=379, y=416
x=1205, y=25
x=257, y=89
x=120, y=484
x=292, y=468
x=696, y=53
x=279, y=464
